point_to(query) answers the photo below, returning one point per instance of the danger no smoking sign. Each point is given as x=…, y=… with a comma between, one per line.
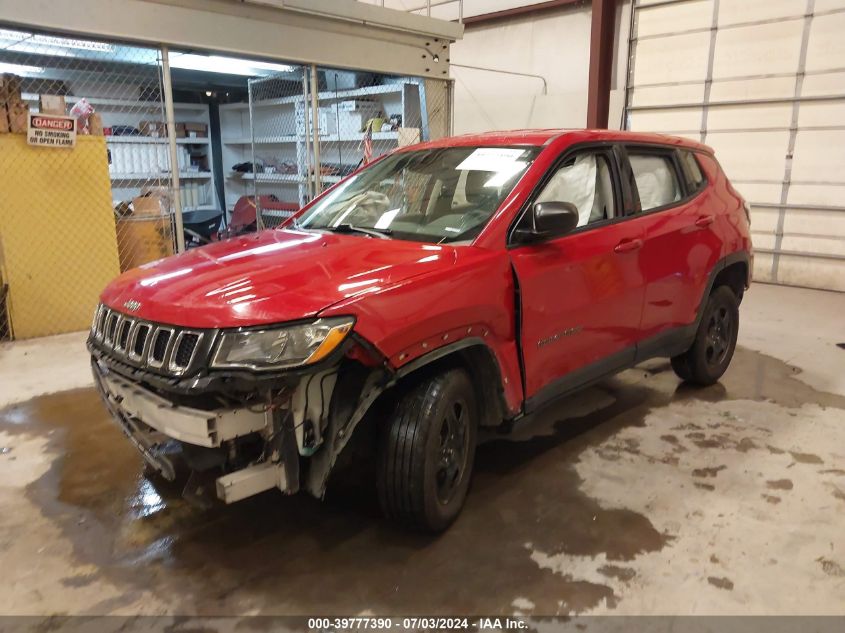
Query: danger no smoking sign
x=48, y=130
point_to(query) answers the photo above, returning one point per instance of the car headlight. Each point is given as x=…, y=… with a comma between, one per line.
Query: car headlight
x=282, y=347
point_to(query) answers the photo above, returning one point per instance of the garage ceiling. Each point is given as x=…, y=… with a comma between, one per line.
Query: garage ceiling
x=763, y=83
x=333, y=33
x=450, y=9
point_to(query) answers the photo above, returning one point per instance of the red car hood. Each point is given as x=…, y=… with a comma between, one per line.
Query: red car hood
x=268, y=277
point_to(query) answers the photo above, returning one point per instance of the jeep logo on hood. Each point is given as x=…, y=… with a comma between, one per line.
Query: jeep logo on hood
x=132, y=305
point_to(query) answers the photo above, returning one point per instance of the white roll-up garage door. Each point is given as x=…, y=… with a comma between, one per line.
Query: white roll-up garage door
x=763, y=83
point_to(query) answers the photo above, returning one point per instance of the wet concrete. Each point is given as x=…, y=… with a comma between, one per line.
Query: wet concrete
x=721, y=583
x=530, y=513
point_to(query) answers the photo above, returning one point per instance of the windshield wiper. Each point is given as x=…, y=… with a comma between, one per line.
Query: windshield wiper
x=351, y=228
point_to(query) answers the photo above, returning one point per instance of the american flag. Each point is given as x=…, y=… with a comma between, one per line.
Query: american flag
x=368, y=142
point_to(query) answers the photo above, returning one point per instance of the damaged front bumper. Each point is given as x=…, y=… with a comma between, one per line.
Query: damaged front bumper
x=152, y=423
x=250, y=431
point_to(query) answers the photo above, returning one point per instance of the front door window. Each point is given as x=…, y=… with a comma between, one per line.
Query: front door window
x=585, y=181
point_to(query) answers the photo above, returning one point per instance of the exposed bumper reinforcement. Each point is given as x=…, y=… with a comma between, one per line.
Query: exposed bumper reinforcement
x=149, y=421
x=250, y=481
x=194, y=426
x=143, y=440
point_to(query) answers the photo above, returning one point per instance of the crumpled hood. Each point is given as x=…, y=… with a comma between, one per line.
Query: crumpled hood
x=268, y=277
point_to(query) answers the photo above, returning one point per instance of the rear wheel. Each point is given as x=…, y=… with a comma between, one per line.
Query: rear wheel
x=426, y=452
x=711, y=352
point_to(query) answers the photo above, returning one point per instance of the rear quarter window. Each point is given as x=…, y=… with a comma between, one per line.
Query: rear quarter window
x=692, y=171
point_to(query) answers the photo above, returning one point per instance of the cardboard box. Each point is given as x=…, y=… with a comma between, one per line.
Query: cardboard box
x=359, y=105
x=143, y=239
x=156, y=129
x=196, y=130
x=353, y=122
x=162, y=193
x=18, y=114
x=348, y=118
x=327, y=122
x=10, y=88
x=95, y=124
x=52, y=104
x=408, y=136
x=147, y=206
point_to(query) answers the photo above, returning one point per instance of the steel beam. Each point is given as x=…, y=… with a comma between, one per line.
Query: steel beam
x=516, y=12
x=350, y=35
x=602, y=37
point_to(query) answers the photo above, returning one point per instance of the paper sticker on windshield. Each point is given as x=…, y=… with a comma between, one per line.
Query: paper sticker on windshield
x=491, y=159
x=386, y=218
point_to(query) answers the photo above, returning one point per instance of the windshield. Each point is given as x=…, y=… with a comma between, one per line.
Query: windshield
x=436, y=195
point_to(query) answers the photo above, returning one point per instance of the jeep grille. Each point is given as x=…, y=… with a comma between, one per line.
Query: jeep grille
x=162, y=348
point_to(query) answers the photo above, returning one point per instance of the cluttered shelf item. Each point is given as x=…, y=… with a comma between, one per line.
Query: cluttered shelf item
x=144, y=228
x=138, y=150
x=14, y=109
x=138, y=158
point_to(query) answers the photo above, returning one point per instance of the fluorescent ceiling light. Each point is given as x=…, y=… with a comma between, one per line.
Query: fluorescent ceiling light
x=20, y=69
x=226, y=65
x=30, y=42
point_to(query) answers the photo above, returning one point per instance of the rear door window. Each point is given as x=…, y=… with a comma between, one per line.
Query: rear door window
x=655, y=177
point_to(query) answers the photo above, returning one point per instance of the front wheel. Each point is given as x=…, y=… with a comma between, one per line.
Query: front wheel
x=711, y=352
x=427, y=450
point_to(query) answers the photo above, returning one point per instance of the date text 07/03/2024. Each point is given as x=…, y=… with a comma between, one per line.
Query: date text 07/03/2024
x=416, y=623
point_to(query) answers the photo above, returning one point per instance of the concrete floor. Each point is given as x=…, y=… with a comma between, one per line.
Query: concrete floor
x=638, y=496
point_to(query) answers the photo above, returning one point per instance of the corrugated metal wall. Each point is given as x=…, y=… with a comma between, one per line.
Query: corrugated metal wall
x=762, y=82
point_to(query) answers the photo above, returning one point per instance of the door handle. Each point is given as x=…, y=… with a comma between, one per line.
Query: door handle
x=626, y=246
x=704, y=221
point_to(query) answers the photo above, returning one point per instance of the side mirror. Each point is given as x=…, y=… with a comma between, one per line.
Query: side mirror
x=550, y=220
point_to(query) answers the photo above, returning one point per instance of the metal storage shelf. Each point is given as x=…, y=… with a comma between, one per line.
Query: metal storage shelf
x=326, y=96
x=265, y=140
x=280, y=140
x=128, y=112
x=153, y=139
x=283, y=178
x=128, y=104
x=161, y=175
x=277, y=128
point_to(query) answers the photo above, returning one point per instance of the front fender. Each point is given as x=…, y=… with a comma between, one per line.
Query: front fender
x=358, y=389
x=468, y=302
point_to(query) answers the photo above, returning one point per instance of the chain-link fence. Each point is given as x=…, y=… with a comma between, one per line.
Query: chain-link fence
x=279, y=143
x=253, y=142
x=311, y=127
x=73, y=217
x=365, y=115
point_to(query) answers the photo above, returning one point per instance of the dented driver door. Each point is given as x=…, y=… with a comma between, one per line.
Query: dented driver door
x=582, y=293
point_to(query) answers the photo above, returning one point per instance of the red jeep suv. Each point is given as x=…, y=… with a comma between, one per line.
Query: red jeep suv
x=444, y=288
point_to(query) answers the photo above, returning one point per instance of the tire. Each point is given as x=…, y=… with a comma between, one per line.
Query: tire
x=426, y=452
x=711, y=352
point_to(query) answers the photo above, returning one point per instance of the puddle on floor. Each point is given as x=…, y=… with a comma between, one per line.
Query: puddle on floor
x=298, y=555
